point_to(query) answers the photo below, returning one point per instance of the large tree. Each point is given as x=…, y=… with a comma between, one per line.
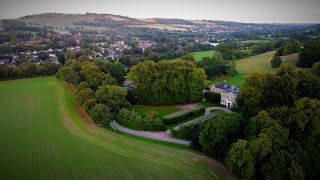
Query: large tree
x=219, y=133
x=168, y=83
x=310, y=54
x=113, y=96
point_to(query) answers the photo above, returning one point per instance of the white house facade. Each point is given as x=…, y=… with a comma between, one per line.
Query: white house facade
x=228, y=94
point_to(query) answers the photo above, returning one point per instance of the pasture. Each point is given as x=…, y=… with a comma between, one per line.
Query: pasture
x=199, y=55
x=259, y=63
x=44, y=135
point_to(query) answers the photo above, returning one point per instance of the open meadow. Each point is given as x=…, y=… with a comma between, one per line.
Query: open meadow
x=199, y=55
x=44, y=135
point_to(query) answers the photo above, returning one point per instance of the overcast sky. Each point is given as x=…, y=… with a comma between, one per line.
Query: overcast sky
x=263, y=11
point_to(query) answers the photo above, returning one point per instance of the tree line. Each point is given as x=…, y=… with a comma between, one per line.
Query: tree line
x=97, y=87
x=28, y=70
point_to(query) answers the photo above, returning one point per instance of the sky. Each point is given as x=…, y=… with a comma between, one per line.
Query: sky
x=255, y=11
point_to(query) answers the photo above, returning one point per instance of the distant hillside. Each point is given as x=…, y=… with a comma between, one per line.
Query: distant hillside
x=109, y=20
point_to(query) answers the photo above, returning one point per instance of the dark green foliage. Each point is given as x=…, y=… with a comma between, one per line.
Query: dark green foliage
x=133, y=120
x=184, y=135
x=116, y=69
x=113, y=96
x=132, y=96
x=214, y=68
x=283, y=144
x=212, y=97
x=28, y=70
x=188, y=57
x=166, y=83
x=289, y=48
x=276, y=61
x=183, y=115
x=266, y=91
x=240, y=160
x=219, y=133
x=101, y=114
x=89, y=104
x=82, y=86
x=84, y=95
x=61, y=58
x=310, y=54
x=140, y=126
x=316, y=69
x=186, y=132
x=305, y=115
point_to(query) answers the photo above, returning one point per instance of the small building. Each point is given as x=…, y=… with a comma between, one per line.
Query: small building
x=228, y=93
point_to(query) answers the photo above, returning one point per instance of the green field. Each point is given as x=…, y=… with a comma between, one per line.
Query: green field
x=199, y=55
x=43, y=135
x=161, y=110
x=259, y=63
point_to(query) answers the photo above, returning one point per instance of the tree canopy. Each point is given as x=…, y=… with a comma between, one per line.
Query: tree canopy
x=168, y=83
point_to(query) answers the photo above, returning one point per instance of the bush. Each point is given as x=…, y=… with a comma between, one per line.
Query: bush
x=212, y=97
x=186, y=132
x=82, y=86
x=140, y=126
x=183, y=114
x=88, y=104
x=101, y=114
x=179, y=134
x=276, y=61
x=84, y=95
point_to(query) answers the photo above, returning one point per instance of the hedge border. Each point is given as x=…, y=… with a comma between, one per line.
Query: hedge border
x=177, y=117
x=184, y=135
x=140, y=126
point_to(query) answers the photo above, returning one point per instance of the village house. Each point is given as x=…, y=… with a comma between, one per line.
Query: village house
x=228, y=93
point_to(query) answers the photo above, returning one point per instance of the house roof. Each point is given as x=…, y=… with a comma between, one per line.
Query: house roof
x=227, y=88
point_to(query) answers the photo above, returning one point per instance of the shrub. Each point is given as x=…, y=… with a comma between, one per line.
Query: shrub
x=133, y=116
x=140, y=126
x=82, y=86
x=183, y=114
x=276, y=61
x=179, y=134
x=212, y=97
x=84, y=95
x=88, y=104
x=101, y=114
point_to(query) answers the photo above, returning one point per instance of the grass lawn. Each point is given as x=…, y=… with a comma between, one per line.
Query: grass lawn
x=199, y=55
x=44, y=135
x=259, y=63
x=161, y=110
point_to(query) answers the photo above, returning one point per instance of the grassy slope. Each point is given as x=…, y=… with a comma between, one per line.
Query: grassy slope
x=42, y=136
x=259, y=63
x=199, y=55
x=161, y=110
x=291, y=58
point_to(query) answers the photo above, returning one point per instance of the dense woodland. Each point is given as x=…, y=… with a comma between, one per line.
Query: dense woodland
x=165, y=82
x=97, y=90
x=276, y=134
